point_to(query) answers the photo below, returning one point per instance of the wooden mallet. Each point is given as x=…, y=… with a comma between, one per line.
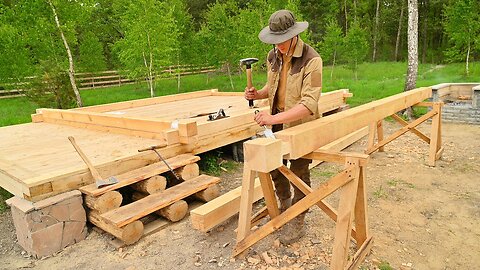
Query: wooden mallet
x=248, y=62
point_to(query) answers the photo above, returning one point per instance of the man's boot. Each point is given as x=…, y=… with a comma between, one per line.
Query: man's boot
x=293, y=230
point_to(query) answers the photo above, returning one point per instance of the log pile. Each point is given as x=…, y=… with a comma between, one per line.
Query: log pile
x=125, y=209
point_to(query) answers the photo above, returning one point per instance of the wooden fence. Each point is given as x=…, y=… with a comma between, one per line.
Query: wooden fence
x=92, y=80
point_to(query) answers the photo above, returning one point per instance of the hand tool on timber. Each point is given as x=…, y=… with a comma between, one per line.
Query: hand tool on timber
x=248, y=62
x=154, y=148
x=267, y=132
x=218, y=115
x=99, y=181
x=207, y=114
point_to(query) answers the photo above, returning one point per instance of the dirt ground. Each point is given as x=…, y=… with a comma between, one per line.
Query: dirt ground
x=421, y=218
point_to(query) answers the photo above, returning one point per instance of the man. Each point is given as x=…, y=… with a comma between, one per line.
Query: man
x=294, y=83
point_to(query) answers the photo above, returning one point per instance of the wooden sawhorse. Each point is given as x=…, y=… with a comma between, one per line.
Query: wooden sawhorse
x=265, y=155
x=435, y=139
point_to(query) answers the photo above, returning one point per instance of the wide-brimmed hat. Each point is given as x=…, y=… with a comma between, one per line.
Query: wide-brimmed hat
x=281, y=27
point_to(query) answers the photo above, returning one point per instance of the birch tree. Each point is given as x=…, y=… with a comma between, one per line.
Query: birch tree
x=462, y=25
x=375, y=31
x=399, y=29
x=71, y=69
x=412, y=70
x=150, y=38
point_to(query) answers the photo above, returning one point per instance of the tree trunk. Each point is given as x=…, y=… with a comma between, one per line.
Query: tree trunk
x=333, y=63
x=150, y=66
x=375, y=32
x=178, y=75
x=71, y=70
x=399, y=32
x=230, y=76
x=346, y=17
x=468, y=57
x=424, y=30
x=149, y=76
x=412, y=70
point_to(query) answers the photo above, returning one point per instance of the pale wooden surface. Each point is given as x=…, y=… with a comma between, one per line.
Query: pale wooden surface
x=37, y=160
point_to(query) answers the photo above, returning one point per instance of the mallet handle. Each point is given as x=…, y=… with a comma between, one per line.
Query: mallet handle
x=249, y=84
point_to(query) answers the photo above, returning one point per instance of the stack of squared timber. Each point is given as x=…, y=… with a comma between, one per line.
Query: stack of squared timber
x=147, y=190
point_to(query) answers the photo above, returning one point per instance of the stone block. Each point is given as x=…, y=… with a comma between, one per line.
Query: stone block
x=48, y=226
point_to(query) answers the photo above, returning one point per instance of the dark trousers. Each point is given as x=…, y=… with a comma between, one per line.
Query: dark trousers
x=282, y=185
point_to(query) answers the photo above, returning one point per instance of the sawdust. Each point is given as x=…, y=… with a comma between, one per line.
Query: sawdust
x=421, y=218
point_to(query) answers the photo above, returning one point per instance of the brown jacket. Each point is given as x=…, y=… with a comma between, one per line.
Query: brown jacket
x=304, y=81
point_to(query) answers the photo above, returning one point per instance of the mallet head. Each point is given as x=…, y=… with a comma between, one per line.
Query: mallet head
x=248, y=62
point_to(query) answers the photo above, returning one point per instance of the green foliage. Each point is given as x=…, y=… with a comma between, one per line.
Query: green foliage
x=209, y=162
x=380, y=193
x=375, y=81
x=150, y=36
x=52, y=89
x=384, y=265
x=332, y=43
x=355, y=46
x=91, y=55
x=4, y=195
x=462, y=25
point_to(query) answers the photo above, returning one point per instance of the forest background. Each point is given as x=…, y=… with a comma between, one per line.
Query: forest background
x=142, y=37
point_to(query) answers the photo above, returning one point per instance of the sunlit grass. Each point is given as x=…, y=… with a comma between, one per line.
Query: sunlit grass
x=375, y=81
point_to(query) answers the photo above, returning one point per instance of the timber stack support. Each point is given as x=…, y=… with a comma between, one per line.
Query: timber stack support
x=351, y=216
x=264, y=155
x=151, y=194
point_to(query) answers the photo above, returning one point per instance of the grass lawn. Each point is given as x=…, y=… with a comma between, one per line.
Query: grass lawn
x=375, y=81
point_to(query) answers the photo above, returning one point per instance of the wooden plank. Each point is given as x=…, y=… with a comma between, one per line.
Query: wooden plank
x=360, y=255
x=336, y=156
x=435, y=134
x=145, y=102
x=136, y=210
x=414, y=130
x=222, y=208
x=139, y=174
x=402, y=131
x=269, y=194
x=246, y=201
x=361, y=216
x=107, y=120
x=332, y=127
x=326, y=207
x=68, y=179
x=345, y=217
x=321, y=192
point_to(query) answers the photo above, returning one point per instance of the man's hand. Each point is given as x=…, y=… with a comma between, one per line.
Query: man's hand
x=264, y=118
x=251, y=93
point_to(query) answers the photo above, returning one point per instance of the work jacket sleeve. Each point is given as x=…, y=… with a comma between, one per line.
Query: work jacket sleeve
x=312, y=85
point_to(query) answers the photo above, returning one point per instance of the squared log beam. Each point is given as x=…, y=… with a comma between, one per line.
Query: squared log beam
x=263, y=154
x=305, y=138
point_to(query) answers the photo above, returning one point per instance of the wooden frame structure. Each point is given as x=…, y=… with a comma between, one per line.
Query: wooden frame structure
x=38, y=161
x=265, y=155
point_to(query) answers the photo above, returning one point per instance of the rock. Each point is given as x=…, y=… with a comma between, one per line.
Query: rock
x=197, y=264
x=276, y=243
x=315, y=241
x=253, y=260
x=213, y=260
x=267, y=258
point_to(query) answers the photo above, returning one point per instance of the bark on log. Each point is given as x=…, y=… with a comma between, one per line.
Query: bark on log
x=129, y=233
x=151, y=185
x=105, y=202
